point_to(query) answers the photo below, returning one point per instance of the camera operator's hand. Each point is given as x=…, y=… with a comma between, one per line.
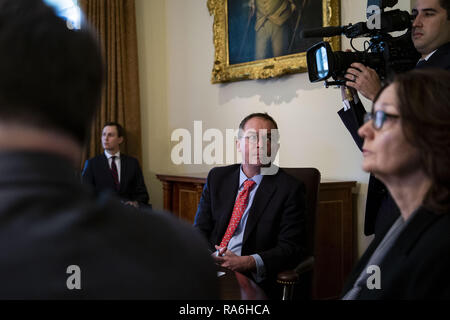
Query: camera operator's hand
x=363, y=79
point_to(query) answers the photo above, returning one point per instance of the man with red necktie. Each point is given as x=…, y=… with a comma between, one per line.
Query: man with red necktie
x=252, y=214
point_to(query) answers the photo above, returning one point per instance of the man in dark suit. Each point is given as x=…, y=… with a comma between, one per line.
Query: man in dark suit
x=57, y=239
x=431, y=37
x=116, y=172
x=253, y=214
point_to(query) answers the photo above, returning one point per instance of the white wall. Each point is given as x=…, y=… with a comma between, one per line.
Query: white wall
x=176, y=55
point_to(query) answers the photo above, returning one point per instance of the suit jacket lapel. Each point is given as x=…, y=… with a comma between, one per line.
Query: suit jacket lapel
x=108, y=174
x=414, y=230
x=105, y=162
x=107, y=170
x=437, y=59
x=262, y=197
x=228, y=194
x=361, y=264
x=123, y=168
x=405, y=242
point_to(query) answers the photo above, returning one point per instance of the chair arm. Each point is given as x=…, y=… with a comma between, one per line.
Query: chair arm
x=290, y=277
x=287, y=277
x=305, y=266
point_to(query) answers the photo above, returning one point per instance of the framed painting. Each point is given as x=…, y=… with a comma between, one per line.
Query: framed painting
x=260, y=39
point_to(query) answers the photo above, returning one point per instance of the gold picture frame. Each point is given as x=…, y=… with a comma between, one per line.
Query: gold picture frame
x=277, y=66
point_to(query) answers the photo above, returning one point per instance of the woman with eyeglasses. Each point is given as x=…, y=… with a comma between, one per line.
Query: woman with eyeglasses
x=407, y=146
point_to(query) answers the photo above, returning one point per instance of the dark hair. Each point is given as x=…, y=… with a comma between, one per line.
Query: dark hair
x=424, y=106
x=446, y=5
x=50, y=76
x=264, y=116
x=120, y=130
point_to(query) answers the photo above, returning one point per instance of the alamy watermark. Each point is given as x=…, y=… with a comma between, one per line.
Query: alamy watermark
x=258, y=147
x=374, y=280
x=74, y=280
x=374, y=20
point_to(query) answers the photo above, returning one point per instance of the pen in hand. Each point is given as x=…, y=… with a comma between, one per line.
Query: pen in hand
x=220, y=251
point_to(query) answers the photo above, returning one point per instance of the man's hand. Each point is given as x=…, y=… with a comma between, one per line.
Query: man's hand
x=363, y=79
x=227, y=259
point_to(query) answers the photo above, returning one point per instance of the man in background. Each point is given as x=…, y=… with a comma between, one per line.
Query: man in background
x=431, y=38
x=116, y=172
x=57, y=239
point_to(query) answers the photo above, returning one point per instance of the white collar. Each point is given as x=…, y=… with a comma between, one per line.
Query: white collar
x=428, y=56
x=108, y=155
x=242, y=178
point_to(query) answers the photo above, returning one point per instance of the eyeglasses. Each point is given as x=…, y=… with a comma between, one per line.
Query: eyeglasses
x=254, y=138
x=378, y=117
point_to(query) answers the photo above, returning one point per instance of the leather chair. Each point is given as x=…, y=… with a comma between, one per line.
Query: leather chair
x=302, y=274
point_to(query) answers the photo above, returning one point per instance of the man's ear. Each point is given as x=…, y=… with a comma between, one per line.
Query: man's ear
x=274, y=151
x=120, y=140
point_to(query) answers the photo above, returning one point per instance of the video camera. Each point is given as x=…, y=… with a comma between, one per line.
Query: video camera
x=385, y=53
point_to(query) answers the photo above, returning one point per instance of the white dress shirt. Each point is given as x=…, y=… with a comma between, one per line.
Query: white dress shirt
x=117, y=160
x=235, y=244
x=427, y=57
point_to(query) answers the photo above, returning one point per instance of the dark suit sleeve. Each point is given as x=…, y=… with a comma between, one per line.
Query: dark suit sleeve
x=428, y=279
x=87, y=176
x=140, y=193
x=353, y=119
x=291, y=242
x=203, y=218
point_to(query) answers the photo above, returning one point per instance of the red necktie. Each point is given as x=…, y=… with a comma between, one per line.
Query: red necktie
x=114, y=172
x=239, y=207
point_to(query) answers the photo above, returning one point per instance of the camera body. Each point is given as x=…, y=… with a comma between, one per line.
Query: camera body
x=385, y=54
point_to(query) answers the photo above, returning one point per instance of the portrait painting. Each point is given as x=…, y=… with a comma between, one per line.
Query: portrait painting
x=258, y=39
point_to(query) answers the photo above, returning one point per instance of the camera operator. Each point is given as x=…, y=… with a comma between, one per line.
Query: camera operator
x=431, y=38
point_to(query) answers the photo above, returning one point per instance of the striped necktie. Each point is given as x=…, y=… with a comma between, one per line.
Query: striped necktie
x=114, y=172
